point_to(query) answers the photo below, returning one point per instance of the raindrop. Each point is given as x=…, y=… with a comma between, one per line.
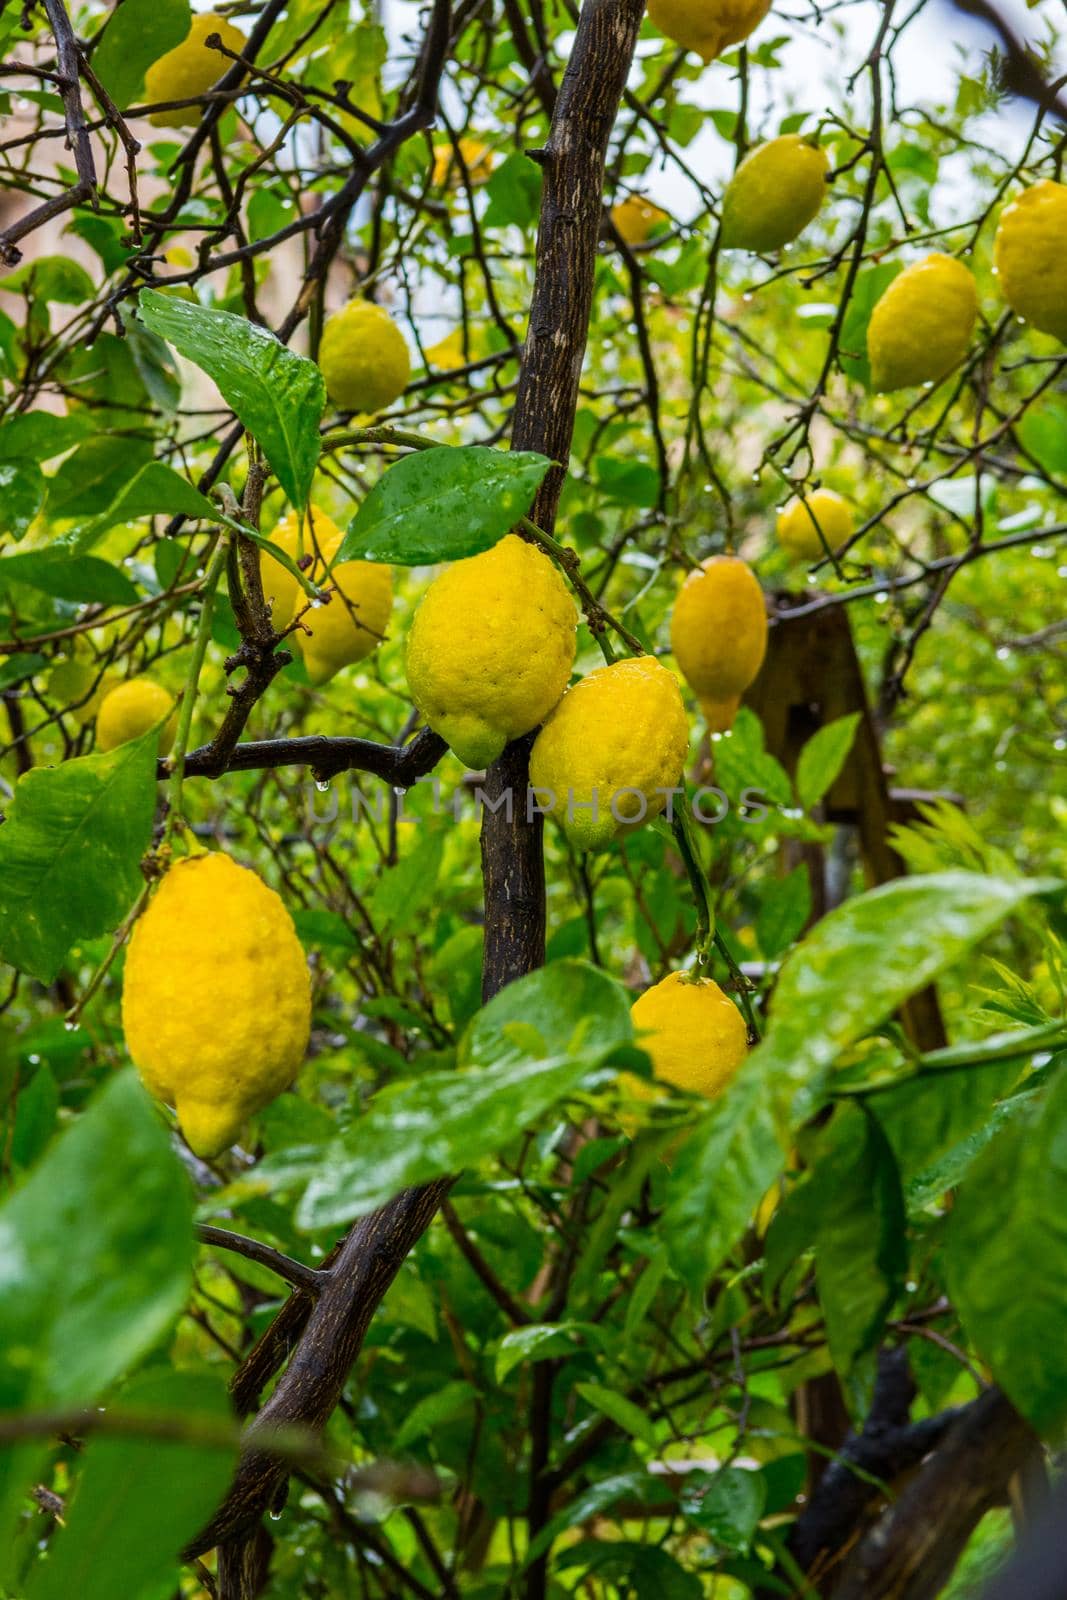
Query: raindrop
x=881, y=597
x=71, y=1027
x=911, y=483
x=1059, y=744
x=275, y=1516
x=322, y=785
x=747, y=299
x=1003, y=653
x=33, y=1060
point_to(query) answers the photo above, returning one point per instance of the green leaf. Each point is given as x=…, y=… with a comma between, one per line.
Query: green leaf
x=536, y=1342
x=514, y=192
x=572, y=1016
x=1042, y=430
x=139, y=1500
x=785, y=906
x=1006, y=1255
x=98, y=1250
x=155, y=490
x=726, y=1505
x=823, y=757
x=442, y=504
x=139, y=32
x=35, y=1109
x=95, y=476
x=868, y=289
x=22, y=492
x=70, y=852
x=64, y=575
x=453, y=1400
x=590, y=1502
x=647, y=1572
x=278, y=395
x=860, y=1248
x=58, y=279
x=38, y=435
x=629, y=1417
x=403, y=892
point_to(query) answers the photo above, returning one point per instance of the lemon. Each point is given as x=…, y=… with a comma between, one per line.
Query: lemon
x=636, y=218
x=801, y=521
x=611, y=752
x=707, y=26
x=775, y=192
x=719, y=635
x=694, y=1034
x=1030, y=256
x=364, y=358
x=79, y=685
x=477, y=158
x=491, y=648
x=353, y=622
x=190, y=69
x=922, y=325
x=216, y=999
x=130, y=709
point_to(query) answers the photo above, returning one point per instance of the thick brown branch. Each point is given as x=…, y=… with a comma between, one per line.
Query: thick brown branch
x=400, y=765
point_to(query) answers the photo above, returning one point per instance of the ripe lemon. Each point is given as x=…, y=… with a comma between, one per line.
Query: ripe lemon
x=719, y=635
x=611, y=752
x=353, y=622
x=477, y=158
x=130, y=709
x=1030, y=256
x=216, y=998
x=800, y=522
x=363, y=358
x=693, y=1032
x=921, y=327
x=636, y=218
x=190, y=69
x=707, y=26
x=491, y=648
x=774, y=194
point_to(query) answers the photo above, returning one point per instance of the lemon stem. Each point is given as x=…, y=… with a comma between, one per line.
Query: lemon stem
x=185, y=718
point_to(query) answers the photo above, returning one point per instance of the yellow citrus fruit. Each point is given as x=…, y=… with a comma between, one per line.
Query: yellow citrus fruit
x=81, y=685
x=719, y=635
x=216, y=998
x=491, y=648
x=321, y=540
x=693, y=1032
x=353, y=622
x=477, y=158
x=1030, y=256
x=922, y=325
x=190, y=69
x=363, y=358
x=608, y=756
x=774, y=194
x=130, y=709
x=635, y=218
x=800, y=523
x=707, y=26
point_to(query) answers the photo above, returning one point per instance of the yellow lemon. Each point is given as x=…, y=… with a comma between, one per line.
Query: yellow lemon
x=921, y=327
x=1030, y=256
x=363, y=358
x=612, y=751
x=491, y=648
x=805, y=517
x=719, y=635
x=190, y=69
x=130, y=709
x=707, y=26
x=476, y=157
x=216, y=998
x=352, y=624
x=693, y=1032
x=774, y=194
x=635, y=218
x=321, y=540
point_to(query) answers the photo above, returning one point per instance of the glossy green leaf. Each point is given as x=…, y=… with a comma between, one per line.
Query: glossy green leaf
x=64, y=575
x=97, y=473
x=785, y=906
x=138, y=33
x=860, y=1247
x=598, y=1497
x=868, y=289
x=97, y=1249
x=567, y=1008
x=538, y=1341
x=823, y=757
x=443, y=1405
x=726, y=1505
x=442, y=504
x=55, y=279
x=648, y=1572
x=403, y=892
x=514, y=192
x=1006, y=1254
x=139, y=1500
x=22, y=492
x=70, y=853
x=153, y=491
x=39, y=435
x=278, y=395
x=629, y=1416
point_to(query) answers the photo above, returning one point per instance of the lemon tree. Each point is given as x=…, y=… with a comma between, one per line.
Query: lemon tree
x=532, y=822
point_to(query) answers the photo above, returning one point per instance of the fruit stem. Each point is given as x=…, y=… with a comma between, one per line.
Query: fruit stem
x=570, y=564
x=73, y=1016
x=176, y=760
x=707, y=933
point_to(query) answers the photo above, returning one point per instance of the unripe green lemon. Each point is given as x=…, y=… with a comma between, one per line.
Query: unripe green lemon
x=608, y=756
x=130, y=709
x=1030, y=256
x=190, y=69
x=693, y=1032
x=363, y=358
x=707, y=26
x=774, y=194
x=800, y=523
x=921, y=327
x=719, y=635
x=491, y=648
x=216, y=998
